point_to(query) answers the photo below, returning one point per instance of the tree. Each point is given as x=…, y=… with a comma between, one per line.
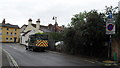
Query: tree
x=117, y=36
x=88, y=29
x=69, y=41
x=95, y=32
x=58, y=36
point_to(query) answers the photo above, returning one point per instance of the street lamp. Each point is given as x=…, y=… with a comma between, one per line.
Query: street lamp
x=55, y=18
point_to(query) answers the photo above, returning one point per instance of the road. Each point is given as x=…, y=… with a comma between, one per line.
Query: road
x=29, y=58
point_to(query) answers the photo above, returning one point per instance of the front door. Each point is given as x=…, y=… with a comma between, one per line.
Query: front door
x=15, y=39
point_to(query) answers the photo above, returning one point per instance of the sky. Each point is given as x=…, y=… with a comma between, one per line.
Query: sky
x=18, y=12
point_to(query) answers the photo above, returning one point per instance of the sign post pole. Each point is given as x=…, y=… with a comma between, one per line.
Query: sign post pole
x=110, y=48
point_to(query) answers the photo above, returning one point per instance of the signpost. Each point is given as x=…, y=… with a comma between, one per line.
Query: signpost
x=110, y=30
x=110, y=27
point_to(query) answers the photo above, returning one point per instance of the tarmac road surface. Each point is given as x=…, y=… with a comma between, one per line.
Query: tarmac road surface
x=29, y=58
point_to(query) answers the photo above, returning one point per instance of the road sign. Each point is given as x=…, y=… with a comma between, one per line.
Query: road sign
x=110, y=26
x=110, y=15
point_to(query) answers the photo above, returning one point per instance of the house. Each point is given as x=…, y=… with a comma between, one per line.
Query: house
x=31, y=28
x=49, y=28
x=9, y=32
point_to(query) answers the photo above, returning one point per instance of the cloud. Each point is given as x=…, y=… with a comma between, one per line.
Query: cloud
x=20, y=11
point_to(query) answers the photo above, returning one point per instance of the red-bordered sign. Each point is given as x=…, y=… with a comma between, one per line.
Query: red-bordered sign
x=110, y=27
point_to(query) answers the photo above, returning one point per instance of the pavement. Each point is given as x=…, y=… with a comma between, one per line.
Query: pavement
x=4, y=60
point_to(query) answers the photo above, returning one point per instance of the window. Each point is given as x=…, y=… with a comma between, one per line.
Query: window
x=15, y=29
x=7, y=28
x=0, y=28
x=11, y=33
x=10, y=39
x=0, y=33
x=7, y=33
x=0, y=39
x=14, y=33
x=6, y=39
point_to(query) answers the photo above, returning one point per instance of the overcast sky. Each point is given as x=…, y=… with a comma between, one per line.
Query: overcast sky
x=18, y=12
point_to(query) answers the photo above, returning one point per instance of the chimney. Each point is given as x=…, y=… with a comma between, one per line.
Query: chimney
x=30, y=21
x=3, y=22
x=38, y=24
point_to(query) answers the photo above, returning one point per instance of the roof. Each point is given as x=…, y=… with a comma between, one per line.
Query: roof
x=41, y=26
x=26, y=33
x=59, y=28
x=47, y=28
x=24, y=25
x=34, y=25
x=9, y=25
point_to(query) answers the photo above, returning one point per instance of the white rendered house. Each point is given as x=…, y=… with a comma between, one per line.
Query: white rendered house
x=29, y=30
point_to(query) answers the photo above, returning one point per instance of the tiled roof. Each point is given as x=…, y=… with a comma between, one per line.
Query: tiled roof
x=9, y=25
x=46, y=28
x=34, y=25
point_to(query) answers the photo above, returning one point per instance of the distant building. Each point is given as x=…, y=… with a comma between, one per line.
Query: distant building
x=9, y=32
x=31, y=28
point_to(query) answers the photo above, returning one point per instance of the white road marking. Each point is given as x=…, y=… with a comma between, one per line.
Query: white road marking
x=12, y=59
x=89, y=61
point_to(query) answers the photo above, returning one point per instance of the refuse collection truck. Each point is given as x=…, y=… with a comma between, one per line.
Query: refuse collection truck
x=37, y=42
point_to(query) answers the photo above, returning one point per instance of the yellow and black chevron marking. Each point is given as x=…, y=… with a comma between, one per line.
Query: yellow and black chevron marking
x=42, y=43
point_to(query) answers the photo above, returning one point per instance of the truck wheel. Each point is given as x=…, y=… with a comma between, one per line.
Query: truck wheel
x=33, y=49
x=42, y=49
x=26, y=48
